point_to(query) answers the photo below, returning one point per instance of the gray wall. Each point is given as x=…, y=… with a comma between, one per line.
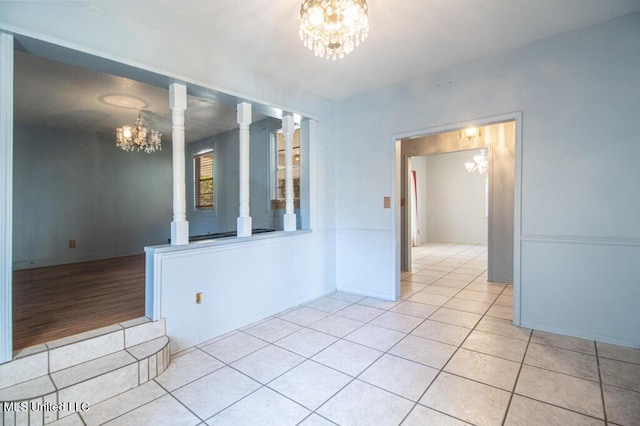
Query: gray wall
x=579, y=94
x=226, y=154
x=71, y=185
x=456, y=208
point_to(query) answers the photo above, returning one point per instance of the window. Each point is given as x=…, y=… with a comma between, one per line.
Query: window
x=279, y=187
x=203, y=179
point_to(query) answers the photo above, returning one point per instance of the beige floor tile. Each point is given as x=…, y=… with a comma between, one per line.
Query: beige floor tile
x=621, y=374
x=485, y=286
x=259, y=409
x=478, y=296
x=415, y=309
x=310, y=384
x=430, y=273
x=459, y=318
x=329, y=304
x=304, y=315
x=421, y=416
x=527, y=412
x=564, y=342
x=306, y=342
x=442, y=332
x=400, y=376
x=468, y=305
x=163, y=411
x=362, y=404
x=467, y=400
x=347, y=297
x=484, y=368
x=429, y=299
x=375, y=337
x=459, y=284
x=316, y=420
x=428, y=352
x=441, y=290
x=620, y=353
x=501, y=311
x=350, y=358
x=214, y=392
x=496, y=345
x=360, y=312
x=397, y=321
x=187, y=368
x=118, y=405
x=504, y=328
x=563, y=361
x=377, y=303
x=569, y=392
x=267, y=363
x=623, y=406
x=336, y=325
x=272, y=329
x=421, y=279
x=234, y=347
x=505, y=299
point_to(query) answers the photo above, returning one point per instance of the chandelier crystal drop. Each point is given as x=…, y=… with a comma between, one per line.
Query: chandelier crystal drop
x=480, y=164
x=138, y=137
x=333, y=28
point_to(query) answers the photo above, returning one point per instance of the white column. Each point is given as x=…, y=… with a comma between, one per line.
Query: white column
x=178, y=104
x=6, y=195
x=244, y=121
x=289, y=216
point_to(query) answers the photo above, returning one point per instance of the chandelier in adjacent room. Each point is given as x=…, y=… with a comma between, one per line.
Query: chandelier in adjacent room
x=138, y=137
x=333, y=28
x=481, y=163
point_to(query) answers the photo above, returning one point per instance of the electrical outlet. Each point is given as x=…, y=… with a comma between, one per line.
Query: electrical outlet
x=198, y=298
x=72, y=243
x=387, y=202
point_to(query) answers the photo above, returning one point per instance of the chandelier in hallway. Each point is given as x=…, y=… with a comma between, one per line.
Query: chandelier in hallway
x=138, y=137
x=480, y=164
x=333, y=28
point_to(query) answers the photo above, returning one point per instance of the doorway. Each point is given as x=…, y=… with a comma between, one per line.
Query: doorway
x=500, y=137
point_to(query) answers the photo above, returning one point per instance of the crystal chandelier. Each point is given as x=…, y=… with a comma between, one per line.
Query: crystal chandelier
x=481, y=163
x=138, y=137
x=332, y=28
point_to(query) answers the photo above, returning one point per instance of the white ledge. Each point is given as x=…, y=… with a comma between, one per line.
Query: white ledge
x=227, y=241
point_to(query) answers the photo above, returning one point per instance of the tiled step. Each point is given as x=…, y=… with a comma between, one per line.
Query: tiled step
x=50, y=381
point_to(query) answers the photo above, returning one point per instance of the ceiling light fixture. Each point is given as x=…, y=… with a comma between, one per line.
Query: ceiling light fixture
x=138, y=137
x=481, y=163
x=333, y=28
x=470, y=133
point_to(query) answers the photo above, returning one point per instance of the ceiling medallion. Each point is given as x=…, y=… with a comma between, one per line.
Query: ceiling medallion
x=333, y=28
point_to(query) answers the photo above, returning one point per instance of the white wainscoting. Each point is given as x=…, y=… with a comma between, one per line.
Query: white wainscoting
x=584, y=287
x=242, y=281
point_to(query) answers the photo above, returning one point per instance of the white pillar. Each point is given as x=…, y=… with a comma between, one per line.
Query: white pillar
x=289, y=216
x=244, y=121
x=6, y=195
x=178, y=104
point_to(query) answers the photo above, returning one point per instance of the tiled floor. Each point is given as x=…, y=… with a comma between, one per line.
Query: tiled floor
x=445, y=354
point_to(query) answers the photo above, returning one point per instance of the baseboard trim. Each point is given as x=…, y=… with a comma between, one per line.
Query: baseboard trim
x=581, y=334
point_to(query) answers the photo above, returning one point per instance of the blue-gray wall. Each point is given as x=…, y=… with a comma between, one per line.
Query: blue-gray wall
x=71, y=185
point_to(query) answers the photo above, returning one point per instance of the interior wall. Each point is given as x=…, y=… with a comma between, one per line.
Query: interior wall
x=457, y=199
x=579, y=93
x=227, y=183
x=419, y=165
x=71, y=185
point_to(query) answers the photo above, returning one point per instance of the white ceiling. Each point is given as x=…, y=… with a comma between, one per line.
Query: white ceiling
x=407, y=38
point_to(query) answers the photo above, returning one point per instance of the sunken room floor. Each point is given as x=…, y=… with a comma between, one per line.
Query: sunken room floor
x=58, y=301
x=445, y=354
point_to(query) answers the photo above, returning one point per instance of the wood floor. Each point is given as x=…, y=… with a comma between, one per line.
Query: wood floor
x=59, y=301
